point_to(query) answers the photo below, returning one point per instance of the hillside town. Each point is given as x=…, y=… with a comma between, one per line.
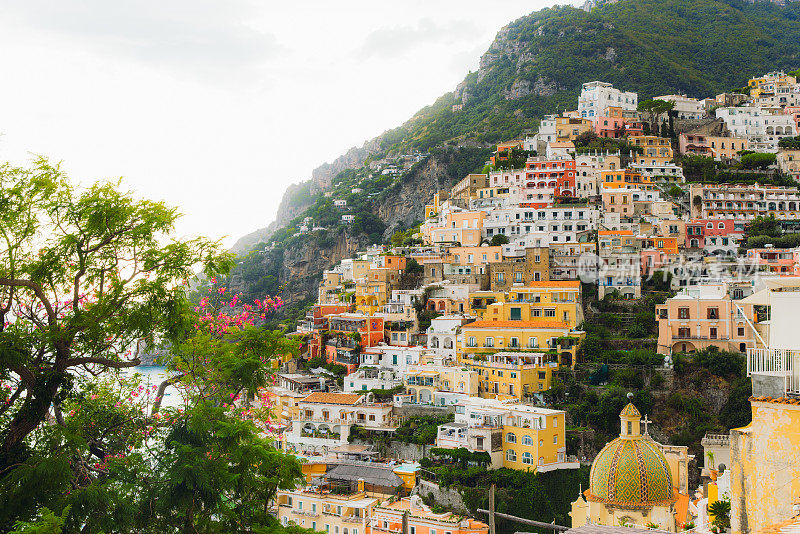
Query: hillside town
x=469, y=319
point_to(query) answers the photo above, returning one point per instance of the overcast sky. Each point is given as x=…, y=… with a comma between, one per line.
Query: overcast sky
x=217, y=106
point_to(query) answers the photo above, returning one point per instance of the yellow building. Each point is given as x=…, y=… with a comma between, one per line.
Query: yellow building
x=656, y=150
x=632, y=483
x=555, y=338
x=540, y=301
x=516, y=436
x=511, y=375
x=342, y=513
x=625, y=179
x=534, y=438
x=479, y=301
x=371, y=296
x=765, y=465
x=439, y=384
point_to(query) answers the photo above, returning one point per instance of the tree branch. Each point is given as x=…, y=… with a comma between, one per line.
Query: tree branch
x=160, y=392
x=38, y=291
x=114, y=364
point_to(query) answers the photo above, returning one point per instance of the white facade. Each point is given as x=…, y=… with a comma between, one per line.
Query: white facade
x=597, y=96
x=762, y=127
x=674, y=173
x=393, y=357
x=685, y=107
x=531, y=227
x=367, y=378
x=443, y=333
x=588, y=168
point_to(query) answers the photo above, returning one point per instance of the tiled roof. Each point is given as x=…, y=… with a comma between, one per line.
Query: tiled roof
x=516, y=324
x=615, y=232
x=332, y=398
x=781, y=400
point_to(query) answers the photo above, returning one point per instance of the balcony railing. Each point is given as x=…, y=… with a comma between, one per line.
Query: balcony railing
x=776, y=362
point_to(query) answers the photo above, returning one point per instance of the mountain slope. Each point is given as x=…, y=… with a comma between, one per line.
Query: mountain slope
x=536, y=65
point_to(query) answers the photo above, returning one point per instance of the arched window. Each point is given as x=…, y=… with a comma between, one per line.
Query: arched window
x=511, y=455
x=527, y=458
x=511, y=437
x=527, y=440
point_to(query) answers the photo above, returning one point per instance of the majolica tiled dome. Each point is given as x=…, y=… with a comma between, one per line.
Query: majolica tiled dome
x=631, y=470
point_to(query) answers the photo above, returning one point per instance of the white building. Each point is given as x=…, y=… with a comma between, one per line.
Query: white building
x=763, y=127
x=685, y=107
x=588, y=168
x=368, y=377
x=597, y=96
x=443, y=333
x=531, y=227
x=668, y=172
x=325, y=419
x=397, y=358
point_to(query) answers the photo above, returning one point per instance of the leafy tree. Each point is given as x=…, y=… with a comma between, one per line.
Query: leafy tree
x=758, y=160
x=790, y=142
x=654, y=108
x=498, y=239
x=87, y=277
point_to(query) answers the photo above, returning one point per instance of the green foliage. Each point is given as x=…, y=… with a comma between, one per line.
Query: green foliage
x=721, y=363
x=721, y=510
x=498, y=239
x=46, y=523
x=790, y=143
x=758, y=160
x=737, y=412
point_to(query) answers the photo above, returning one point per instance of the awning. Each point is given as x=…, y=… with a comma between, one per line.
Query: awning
x=760, y=298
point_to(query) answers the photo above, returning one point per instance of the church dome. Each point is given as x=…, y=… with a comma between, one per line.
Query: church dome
x=631, y=470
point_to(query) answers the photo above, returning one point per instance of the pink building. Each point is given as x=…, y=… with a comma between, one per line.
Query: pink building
x=717, y=236
x=795, y=112
x=709, y=315
x=782, y=261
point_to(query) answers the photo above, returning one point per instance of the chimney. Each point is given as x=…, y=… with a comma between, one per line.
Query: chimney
x=360, y=485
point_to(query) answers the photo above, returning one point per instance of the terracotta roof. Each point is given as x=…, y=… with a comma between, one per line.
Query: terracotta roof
x=332, y=398
x=781, y=400
x=615, y=232
x=516, y=324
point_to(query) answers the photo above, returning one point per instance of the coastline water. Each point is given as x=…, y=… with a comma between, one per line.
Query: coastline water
x=153, y=375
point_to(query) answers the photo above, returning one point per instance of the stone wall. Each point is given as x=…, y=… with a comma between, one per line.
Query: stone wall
x=446, y=497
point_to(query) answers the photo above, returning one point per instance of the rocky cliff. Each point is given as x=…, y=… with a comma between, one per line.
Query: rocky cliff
x=535, y=65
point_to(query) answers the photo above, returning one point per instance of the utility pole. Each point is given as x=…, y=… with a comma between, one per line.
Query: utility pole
x=491, y=509
x=405, y=522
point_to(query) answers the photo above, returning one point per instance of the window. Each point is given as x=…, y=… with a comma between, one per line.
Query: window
x=489, y=342
x=683, y=313
x=471, y=342
x=549, y=312
x=515, y=314
x=299, y=505
x=527, y=458
x=501, y=278
x=511, y=437
x=537, y=312
x=511, y=455
x=518, y=276
x=740, y=331
x=513, y=342
x=713, y=313
x=527, y=440
x=712, y=333
x=555, y=439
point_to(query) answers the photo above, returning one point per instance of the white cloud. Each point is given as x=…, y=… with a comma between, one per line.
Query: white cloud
x=217, y=106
